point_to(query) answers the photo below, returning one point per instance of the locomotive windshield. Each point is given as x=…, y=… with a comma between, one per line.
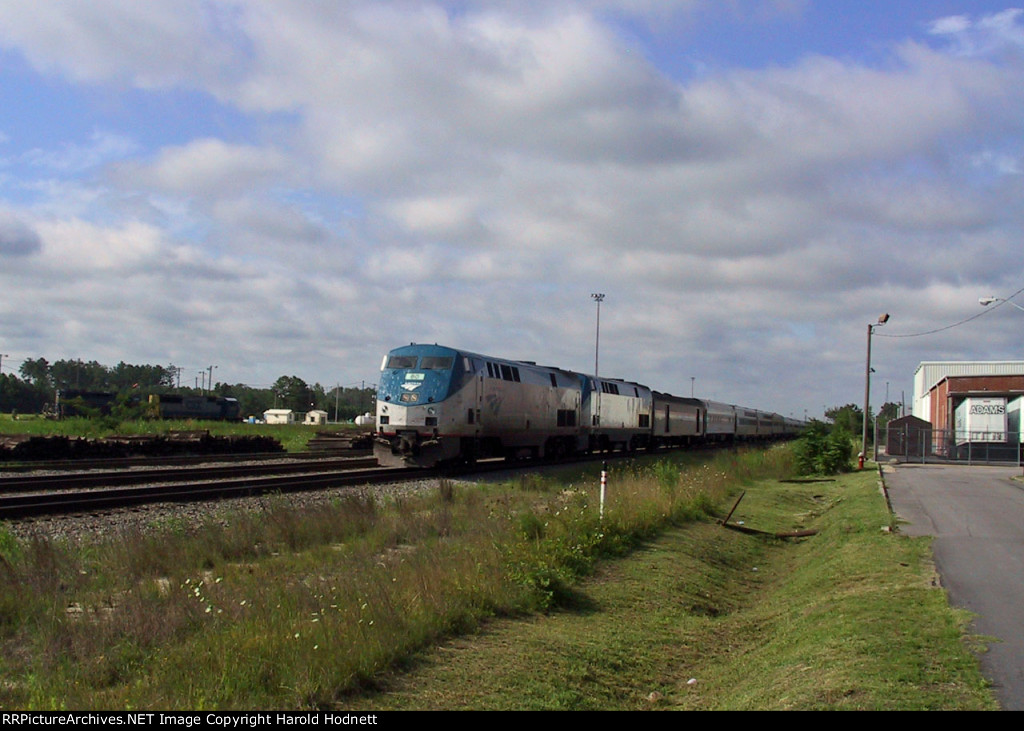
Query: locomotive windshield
x=436, y=363
x=426, y=363
x=401, y=362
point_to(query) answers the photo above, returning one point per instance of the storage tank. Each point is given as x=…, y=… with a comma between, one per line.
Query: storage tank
x=366, y=419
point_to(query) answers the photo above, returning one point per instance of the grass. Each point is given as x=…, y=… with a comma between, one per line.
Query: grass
x=700, y=618
x=293, y=437
x=471, y=597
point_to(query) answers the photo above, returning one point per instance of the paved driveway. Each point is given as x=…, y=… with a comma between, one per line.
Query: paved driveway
x=976, y=515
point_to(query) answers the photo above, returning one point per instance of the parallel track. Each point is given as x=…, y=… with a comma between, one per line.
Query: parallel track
x=227, y=483
x=117, y=463
x=120, y=478
x=26, y=505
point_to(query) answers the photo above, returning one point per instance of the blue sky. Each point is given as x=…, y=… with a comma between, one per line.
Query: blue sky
x=295, y=188
x=726, y=36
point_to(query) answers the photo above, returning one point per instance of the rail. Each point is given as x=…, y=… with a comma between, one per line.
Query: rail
x=24, y=505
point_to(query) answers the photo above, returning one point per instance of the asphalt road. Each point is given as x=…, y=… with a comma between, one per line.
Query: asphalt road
x=976, y=515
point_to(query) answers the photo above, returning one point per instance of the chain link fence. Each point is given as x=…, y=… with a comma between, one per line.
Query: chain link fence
x=919, y=444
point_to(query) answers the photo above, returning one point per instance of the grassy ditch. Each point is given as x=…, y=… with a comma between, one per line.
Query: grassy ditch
x=340, y=606
x=703, y=618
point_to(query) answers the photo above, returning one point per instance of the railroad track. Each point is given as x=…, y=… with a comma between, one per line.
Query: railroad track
x=116, y=463
x=34, y=504
x=94, y=492
x=122, y=477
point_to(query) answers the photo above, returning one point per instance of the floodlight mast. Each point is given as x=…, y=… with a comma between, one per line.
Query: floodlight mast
x=598, y=297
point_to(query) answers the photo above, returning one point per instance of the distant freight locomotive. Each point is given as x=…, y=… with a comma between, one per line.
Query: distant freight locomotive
x=167, y=406
x=74, y=402
x=438, y=405
x=213, y=408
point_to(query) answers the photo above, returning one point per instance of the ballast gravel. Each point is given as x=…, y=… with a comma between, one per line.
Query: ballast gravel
x=123, y=521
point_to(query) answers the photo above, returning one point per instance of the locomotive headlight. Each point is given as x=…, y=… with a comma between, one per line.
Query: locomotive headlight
x=431, y=411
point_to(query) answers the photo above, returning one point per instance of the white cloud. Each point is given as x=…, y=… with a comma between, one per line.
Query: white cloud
x=149, y=45
x=992, y=33
x=1002, y=163
x=17, y=239
x=209, y=168
x=451, y=217
x=412, y=172
x=85, y=249
x=950, y=25
x=69, y=159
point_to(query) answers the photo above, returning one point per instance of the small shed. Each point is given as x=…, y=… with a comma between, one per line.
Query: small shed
x=279, y=416
x=909, y=437
x=316, y=418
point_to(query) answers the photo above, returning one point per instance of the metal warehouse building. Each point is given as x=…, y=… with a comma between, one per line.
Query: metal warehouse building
x=930, y=373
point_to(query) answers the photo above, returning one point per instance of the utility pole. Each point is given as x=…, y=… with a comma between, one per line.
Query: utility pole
x=867, y=392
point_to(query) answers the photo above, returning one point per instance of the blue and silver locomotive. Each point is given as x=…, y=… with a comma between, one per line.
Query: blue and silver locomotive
x=440, y=405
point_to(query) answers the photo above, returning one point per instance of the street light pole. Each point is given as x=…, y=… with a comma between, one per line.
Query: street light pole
x=867, y=392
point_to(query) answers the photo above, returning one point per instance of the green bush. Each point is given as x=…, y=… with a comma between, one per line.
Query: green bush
x=824, y=451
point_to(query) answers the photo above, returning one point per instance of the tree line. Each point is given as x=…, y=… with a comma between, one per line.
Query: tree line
x=35, y=391
x=851, y=417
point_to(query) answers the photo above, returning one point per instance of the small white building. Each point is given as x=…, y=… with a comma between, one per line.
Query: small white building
x=279, y=416
x=316, y=418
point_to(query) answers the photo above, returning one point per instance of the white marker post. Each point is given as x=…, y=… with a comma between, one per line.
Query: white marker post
x=604, y=486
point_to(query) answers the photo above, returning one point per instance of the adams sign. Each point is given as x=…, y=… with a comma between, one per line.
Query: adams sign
x=981, y=420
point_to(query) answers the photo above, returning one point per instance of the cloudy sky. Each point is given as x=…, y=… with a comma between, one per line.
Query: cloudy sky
x=294, y=188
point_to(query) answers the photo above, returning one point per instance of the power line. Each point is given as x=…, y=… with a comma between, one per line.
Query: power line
x=1002, y=301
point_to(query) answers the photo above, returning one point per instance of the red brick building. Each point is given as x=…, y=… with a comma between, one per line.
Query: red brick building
x=948, y=393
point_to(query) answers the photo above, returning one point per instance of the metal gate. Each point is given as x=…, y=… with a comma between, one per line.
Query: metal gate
x=918, y=444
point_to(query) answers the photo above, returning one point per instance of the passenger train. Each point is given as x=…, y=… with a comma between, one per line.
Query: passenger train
x=438, y=405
